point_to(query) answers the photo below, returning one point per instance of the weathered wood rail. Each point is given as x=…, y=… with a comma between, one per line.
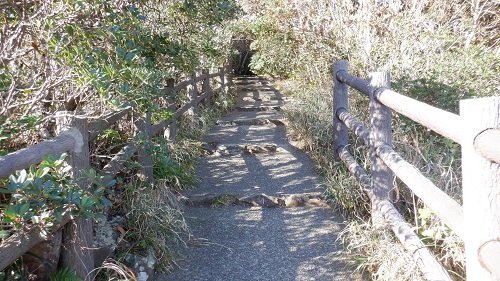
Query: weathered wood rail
x=74, y=138
x=476, y=129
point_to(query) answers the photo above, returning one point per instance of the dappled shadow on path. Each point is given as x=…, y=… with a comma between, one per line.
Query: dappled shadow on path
x=263, y=244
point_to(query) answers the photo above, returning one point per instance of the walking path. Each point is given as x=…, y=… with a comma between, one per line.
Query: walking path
x=272, y=224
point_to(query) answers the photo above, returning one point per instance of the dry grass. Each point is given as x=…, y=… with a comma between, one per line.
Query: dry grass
x=157, y=223
x=378, y=253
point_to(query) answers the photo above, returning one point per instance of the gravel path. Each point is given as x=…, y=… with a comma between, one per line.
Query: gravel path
x=255, y=242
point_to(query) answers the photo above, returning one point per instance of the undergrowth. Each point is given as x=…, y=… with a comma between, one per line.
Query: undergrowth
x=155, y=220
x=437, y=159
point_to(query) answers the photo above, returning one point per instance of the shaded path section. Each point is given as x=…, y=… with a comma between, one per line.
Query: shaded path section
x=257, y=242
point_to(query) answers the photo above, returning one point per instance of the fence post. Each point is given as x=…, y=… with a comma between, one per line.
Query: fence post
x=381, y=133
x=340, y=100
x=205, y=88
x=481, y=190
x=194, y=94
x=144, y=148
x=229, y=68
x=222, y=79
x=78, y=237
x=171, y=130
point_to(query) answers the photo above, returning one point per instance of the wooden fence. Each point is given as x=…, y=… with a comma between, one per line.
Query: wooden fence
x=476, y=129
x=77, y=237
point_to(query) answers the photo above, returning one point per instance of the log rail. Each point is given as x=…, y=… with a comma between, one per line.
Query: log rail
x=476, y=129
x=74, y=138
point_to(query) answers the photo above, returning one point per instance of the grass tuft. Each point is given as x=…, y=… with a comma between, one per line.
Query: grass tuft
x=155, y=222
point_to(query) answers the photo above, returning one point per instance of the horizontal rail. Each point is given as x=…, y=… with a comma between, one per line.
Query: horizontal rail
x=23, y=158
x=354, y=125
x=424, y=259
x=182, y=85
x=201, y=78
x=441, y=121
x=355, y=82
x=206, y=95
x=116, y=163
x=214, y=75
x=356, y=170
x=19, y=243
x=444, y=206
x=98, y=126
x=487, y=144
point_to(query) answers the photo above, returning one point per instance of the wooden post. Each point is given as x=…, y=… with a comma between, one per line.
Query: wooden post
x=229, y=73
x=222, y=79
x=78, y=237
x=381, y=134
x=171, y=130
x=194, y=94
x=144, y=148
x=340, y=101
x=481, y=190
x=42, y=259
x=206, y=86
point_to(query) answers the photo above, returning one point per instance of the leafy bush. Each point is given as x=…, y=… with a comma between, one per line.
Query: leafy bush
x=41, y=195
x=94, y=56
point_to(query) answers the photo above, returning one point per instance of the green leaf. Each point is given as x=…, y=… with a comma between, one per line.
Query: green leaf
x=11, y=211
x=83, y=202
x=120, y=52
x=70, y=30
x=130, y=56
x=5, y=191
x=28, y=216
x=58, y=212
x=87, y=214
x=22, y=209
x=8, y=219
x=22, y=176
x=111, y=183
x=4, y=234
x=99, y=191
x=106, y=202
x=40, y=173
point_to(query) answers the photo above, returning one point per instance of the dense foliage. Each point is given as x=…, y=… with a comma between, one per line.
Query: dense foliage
x=96, y=56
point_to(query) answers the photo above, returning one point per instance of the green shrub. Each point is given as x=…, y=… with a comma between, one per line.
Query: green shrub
x=42, y=194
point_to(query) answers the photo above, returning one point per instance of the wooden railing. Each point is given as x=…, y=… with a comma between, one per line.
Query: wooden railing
x=74, y=138
x=476, y=129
